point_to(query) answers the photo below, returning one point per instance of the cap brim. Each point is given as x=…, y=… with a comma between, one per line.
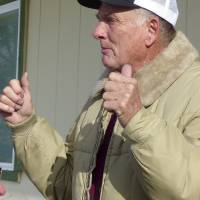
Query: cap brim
x=95, y=4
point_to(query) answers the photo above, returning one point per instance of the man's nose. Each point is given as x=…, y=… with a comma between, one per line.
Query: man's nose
x=99, y=31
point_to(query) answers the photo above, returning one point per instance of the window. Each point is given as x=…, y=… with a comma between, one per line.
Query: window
x=13, y=18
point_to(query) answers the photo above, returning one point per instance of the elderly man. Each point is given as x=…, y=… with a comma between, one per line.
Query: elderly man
x=137, y=137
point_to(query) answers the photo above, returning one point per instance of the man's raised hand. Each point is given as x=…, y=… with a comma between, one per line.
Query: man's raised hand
x=121, y=94
x=15, y=101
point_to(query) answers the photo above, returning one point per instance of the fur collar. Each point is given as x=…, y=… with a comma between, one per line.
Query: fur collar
x=154, y=78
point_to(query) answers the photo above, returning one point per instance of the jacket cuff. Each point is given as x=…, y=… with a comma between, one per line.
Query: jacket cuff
x=24, y=127
x=143, y=125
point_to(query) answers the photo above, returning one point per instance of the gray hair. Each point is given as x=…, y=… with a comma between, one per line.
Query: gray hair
x=167, y=31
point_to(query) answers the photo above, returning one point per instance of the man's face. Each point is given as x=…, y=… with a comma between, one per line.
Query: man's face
x=120, y=36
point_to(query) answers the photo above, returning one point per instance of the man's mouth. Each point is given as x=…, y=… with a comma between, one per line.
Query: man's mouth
x=105, y=50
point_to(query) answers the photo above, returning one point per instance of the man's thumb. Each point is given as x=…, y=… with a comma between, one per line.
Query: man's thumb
x=25, y=81
x=127, y=70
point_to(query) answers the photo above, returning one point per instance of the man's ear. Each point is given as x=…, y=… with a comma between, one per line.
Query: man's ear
x=153, y=31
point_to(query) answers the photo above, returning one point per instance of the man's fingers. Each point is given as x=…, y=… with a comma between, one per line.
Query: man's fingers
x=117, y=77
x=16, y=87
x=113, y=86
x=110, y=105
x=5, y=108
x=16, y=98
x=113, y=106
x=5, y=100
x=115, y=101
x=120, y=87
x=107, y=96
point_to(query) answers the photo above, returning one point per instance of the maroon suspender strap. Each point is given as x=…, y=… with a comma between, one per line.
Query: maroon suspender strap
x=97, y=174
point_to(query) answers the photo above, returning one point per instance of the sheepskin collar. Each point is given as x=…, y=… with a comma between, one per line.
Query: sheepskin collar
x=155, y=77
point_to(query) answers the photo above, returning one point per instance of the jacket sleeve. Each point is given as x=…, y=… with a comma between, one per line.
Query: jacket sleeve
x=45, y=157
x=167, y=158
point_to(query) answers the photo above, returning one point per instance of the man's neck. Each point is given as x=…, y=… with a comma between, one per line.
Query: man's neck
x=151, y=53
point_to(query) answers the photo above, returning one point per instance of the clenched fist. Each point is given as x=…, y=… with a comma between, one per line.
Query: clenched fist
x=121, y=95
x=15, y=101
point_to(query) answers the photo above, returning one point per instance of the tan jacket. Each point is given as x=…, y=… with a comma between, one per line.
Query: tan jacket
x=157, y=156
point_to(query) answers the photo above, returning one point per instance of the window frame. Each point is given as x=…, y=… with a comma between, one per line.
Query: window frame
x=12, y=171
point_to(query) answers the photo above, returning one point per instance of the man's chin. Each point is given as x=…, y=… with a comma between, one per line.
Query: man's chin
x=110, y=65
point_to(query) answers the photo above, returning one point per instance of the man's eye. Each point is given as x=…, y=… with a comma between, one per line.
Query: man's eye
x=106, y=19
x=110, y=20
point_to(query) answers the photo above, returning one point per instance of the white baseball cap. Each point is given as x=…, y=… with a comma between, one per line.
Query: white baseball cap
x=166, y=9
